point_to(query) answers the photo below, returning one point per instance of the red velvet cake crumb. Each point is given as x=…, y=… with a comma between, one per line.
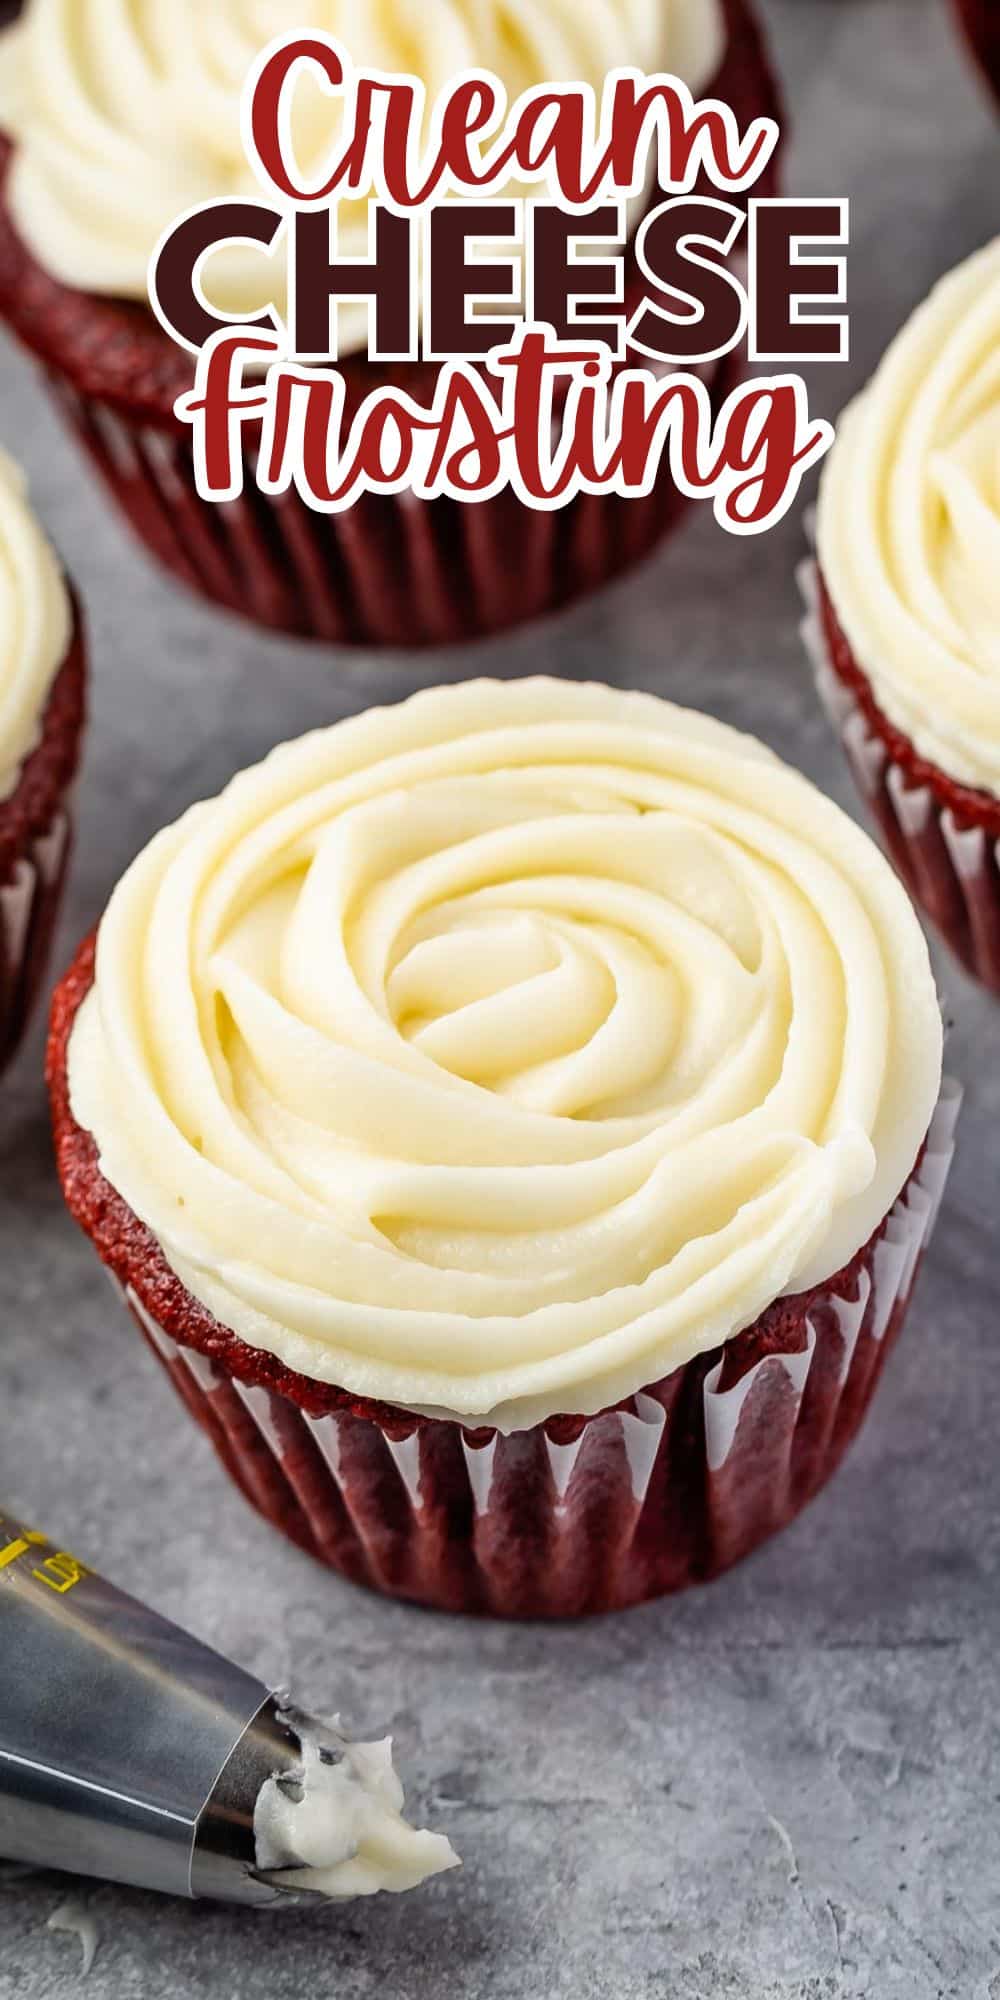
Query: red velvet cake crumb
x=35, y=842
x=969, y=805
x=49, y=769
x=943, y=837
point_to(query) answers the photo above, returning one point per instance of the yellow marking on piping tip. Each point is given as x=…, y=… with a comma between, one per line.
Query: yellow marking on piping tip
x=11, y=1552
x=32, y=1535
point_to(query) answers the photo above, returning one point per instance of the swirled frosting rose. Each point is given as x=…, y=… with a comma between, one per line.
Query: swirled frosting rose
x=909, y=525
x=126, y=116
x=34, y=623
x=494, y=1053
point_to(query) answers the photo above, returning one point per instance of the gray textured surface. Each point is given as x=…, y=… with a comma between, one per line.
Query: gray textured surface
x=785, y=1785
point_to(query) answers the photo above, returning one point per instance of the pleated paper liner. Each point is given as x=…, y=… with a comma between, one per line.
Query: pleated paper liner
x=35, y=846
x=943, y=839
x=392, y=570
x=29, y=905
x=578, y=1515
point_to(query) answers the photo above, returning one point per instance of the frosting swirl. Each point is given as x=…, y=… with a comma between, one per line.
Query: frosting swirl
x=34, y=623
x=127, y=115
x=494, y=1053
x=909, y=525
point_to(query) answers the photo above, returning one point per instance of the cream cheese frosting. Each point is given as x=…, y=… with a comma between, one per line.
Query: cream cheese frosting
x=494, y=1053
x=334, y=1824
x=126, y=115
x=35, y=623
x=909, y=526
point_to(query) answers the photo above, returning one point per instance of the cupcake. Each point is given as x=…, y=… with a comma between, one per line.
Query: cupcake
x=980, y=20
x=514, y=1119
x=905, y=618
x=42, y=670
x=145, y=125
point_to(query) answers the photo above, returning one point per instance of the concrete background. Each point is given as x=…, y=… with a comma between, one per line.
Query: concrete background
x=785, y=1785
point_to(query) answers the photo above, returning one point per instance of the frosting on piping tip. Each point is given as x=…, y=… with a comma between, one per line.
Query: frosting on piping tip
x=334, y=1824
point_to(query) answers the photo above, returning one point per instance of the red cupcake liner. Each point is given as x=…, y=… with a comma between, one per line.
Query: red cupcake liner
x=681, y=1481
x=942, y=837
x=390, y=571
x=393, y=570
x=576, y=1515
x=29, y=904
x=35, y=848
x=980, y=21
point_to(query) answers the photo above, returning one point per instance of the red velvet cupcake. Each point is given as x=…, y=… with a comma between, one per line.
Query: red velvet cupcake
x=42, y=673
x=980, y=21
x=515, y=1121
x=904, y=617
x=99, y=171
